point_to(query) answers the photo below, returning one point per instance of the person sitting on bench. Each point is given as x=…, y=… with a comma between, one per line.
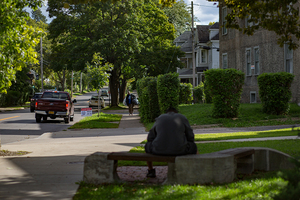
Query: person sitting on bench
x=171, y=135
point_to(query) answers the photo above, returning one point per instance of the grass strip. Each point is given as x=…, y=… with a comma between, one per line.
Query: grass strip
x=259, y=186
x=246, y=135
x=103, y=121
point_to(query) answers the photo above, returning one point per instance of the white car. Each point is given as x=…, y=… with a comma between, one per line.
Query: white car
x=93, y=101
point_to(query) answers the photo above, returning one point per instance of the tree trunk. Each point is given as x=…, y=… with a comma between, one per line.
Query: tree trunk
x=122, y=90
x=114, y=86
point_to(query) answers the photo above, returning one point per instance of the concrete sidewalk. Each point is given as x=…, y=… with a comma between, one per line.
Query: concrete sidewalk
x=56, y=162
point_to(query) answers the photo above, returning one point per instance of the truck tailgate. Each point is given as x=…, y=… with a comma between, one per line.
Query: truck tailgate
x=51, y=104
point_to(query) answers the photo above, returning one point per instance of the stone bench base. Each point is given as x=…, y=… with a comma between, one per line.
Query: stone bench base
x=217, y=167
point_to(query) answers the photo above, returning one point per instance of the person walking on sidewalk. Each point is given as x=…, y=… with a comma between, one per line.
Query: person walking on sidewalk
x=171, y=135
x=129, y=102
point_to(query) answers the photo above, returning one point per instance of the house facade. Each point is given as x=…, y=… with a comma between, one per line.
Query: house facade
x=206, y=54
x=255, y=55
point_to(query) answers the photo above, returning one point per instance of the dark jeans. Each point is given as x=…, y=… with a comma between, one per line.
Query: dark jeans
x=191, y=148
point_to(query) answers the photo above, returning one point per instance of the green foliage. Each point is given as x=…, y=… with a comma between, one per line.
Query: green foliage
x=98, y=72
x=185, y=93
x=154, y=110
x=225, y=85
x=279, y=16
x=144, y=98
x=17, y=40
x=292, y=190
x=168, y=87
x=274, y=92
x=207, y=94
x=198, y=93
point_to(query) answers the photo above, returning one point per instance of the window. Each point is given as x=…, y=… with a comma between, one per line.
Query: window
x=224, y=22
x=248, y=62
x=256, y=60
x=252, y=97
x=247, y=23
x=225, y=61
x=288, y=59
x=203, y=56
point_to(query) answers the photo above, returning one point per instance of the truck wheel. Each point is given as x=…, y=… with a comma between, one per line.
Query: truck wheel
x=72, y=118
x=31, y=109
x=38, y=118
x=67, y=119
x=44, y=118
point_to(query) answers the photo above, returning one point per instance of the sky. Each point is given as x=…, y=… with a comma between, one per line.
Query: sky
x=204, y=11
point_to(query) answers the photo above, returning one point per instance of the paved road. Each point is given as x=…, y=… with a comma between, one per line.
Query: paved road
x=20, y=125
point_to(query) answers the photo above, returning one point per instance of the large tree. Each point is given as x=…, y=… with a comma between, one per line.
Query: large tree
x=280, y=16
x=119, y=31
x=17, y=39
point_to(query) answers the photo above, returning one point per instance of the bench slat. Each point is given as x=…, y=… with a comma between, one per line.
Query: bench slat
x=140, y=157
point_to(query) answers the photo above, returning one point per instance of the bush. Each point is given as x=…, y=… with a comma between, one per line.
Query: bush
x=225, y=86
x=292, y=190
x=274, y=92
x=154, y=110
x=12, y=98
x=168, y=91
x=207, y=94
x=185, y=94
x=142, y=90
x=198, y=93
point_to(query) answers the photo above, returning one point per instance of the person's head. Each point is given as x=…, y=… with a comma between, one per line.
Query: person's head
x=128, y=92
x=172, y=109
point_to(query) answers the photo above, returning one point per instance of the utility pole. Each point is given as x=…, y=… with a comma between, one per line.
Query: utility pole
x=42, y=79
x=193, y=46
x=81, y=82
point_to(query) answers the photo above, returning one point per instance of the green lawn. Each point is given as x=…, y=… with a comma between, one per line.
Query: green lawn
x=249, y=115
x=103, y=121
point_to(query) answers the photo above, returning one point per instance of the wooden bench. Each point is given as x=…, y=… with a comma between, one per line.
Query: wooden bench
x=140, y=157
x=218, y=167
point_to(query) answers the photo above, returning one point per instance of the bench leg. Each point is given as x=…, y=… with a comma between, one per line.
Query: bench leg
x=98, y=170
x=171, y=176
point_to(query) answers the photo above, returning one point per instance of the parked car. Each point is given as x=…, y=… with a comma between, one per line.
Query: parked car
x=55, y=104
x=35, y=97
x=93, y=101
x=104, y=93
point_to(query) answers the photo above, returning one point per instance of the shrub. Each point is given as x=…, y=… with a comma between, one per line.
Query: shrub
x=292, y=190
x=207, y=94
x=154, y=110
x=225, y=86
x=198, y=93
x=168, y=91
x=12, y=98
x=142, y=90
x=185, y=94
x=274, y=92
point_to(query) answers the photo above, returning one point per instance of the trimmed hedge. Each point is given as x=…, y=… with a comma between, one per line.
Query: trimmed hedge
x=198, y=93
x=185, y=94
x=154, y=110
x=275, y=92
x=168, y=91
x=207, y=94
x=225, y=86
x=143, y=98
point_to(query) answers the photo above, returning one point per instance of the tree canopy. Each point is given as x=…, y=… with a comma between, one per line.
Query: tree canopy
x=17, y=39
x=279, y=16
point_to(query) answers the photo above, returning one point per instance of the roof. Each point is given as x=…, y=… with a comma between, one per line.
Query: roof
x=186, y=37
x=215, y=26
x=203, y=33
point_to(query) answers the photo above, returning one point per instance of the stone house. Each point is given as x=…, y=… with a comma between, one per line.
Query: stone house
x=255, y=55
x=206, y=48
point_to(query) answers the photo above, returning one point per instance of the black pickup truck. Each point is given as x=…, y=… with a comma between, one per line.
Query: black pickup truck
x=54, y=104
